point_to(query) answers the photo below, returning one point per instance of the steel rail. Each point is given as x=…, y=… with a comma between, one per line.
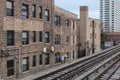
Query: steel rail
x=109, y=71
x=80, y=69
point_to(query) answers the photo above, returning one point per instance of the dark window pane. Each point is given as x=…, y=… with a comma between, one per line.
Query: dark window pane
x=34, y=61
x=34, y=36
x=47, y=37
x=73, y=25
x=47, y=59
x=40, y=11
x=57, y=58
x=40, y=59
x=67, y=22
x=10, y=72
x=10, y=67
x=10, y=38
x=40, y=36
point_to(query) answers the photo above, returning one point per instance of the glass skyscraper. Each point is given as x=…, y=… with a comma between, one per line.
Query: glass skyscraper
x=110, y=15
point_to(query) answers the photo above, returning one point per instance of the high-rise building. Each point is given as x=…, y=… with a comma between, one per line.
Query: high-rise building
x=109, y=15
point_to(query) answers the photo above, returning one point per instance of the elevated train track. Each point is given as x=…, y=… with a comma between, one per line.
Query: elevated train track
x=83, y=65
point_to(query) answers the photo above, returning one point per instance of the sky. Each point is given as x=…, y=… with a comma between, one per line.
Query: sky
x=73, y=6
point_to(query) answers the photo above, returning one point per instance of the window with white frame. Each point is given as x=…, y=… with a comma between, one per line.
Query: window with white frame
x=9, y=8
x=25, y=64
x=47, y=37
x=57, y=39
x=47, y=16
x=57, y=20
x=25, y=11
x=57, y=57
x=25, y=37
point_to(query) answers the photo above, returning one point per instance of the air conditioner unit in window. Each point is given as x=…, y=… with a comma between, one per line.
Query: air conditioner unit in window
x=52, y=49
x=44, y=49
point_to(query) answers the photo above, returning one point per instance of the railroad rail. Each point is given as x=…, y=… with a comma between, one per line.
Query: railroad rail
x=70, y=71
x=96, y=72
x=111, y=73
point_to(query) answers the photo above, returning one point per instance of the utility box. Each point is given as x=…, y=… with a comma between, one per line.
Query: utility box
x=108, y=44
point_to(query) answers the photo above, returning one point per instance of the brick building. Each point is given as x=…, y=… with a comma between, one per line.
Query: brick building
x=34, y=36
x=88, y=34
x=65, y=30
x=113, y=36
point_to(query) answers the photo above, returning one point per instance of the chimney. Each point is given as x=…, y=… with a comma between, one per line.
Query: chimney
x=83, y=24
x=84, y=12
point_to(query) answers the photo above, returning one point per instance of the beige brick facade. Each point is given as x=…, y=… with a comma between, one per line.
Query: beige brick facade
x=17, y=24
x=18, y=51
x=64, y=31
x=89, y=34
x=69, y=37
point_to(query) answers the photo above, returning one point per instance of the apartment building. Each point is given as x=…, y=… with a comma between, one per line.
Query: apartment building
x=109, y=15
x=88, y=34
x=34, y=36
x=25, y=37
x=65, y=33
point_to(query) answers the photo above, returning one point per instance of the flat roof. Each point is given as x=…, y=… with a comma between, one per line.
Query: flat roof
x=113, y=33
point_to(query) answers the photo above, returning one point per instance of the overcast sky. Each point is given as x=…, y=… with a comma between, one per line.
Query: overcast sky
x=73, y=6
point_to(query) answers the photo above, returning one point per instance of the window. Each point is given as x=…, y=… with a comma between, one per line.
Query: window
x=47, y=15
x=67, y=22
x=10, y=38
x=47, y=59
x=25, y=11
x=73, y=54
x=34, y=36
x=25, y=64
x=67, y=38
x=57, y=39
x=40, y=12
x=57, y=58
x=25, y=37
x=57, y=20
x=34, y=11
x=40, y=59
x=73, y=40
x=34, y=61
x=9, y=8
x=67, y=53
x=40, y=36
x=10, y=67
x=47, y=37
x=73, y=25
